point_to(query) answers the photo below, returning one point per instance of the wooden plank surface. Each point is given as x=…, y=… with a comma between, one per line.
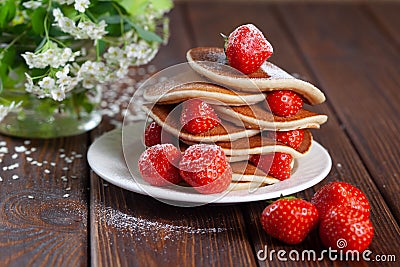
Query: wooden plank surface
x=43, y=217
x=386, y=17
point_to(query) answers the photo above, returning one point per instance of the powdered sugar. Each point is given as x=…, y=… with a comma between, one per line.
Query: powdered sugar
x=142, y=228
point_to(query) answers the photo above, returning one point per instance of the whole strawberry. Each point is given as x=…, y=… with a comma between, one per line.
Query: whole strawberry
x=292, y=138
x=284, y=103
x=206, y=168
x=289, y=219
x=247, y=49
x=344, y=228
x=277, y=164
x=340, y=194
x=198, y=117
x=158, y=165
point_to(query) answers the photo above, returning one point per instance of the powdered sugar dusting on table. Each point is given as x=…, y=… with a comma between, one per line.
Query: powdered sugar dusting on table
x=143, y=229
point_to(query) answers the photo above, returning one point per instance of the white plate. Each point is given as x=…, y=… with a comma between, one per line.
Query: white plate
x=106, y=158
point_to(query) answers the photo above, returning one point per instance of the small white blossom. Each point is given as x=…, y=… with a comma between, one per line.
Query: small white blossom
x=58, y=15
x=47, y=83
x=58, y=93
x=32, y=4
x=63, y=73
x=53, y=57
x=81, y=5
x=84, y=29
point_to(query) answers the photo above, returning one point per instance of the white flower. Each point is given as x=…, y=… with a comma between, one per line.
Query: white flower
x=53, y=57
x=122, y=72
x=81, y=5
x=32, y=4
x=47, y=83
x=67, y=25
x=58, y=93
x=113, y=54
x=58, y=15
x=84, y=29
x=63, y=73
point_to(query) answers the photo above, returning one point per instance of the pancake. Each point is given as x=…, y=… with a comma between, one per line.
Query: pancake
x=263, y=144
x=268, y=78
x=237, y=158
x=259, y=117
x=226, y=131
x=170, y=93
x=244, y=171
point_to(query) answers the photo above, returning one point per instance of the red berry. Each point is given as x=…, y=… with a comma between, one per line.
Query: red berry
x=292, y=138
x=152, y=134
x=289, y=220
x=158, y=165
x=275, y=164
x=284, y=103
x=346, y=229
x=247, y=49
x=206, y=168
x=340, y=194
x=198, y=117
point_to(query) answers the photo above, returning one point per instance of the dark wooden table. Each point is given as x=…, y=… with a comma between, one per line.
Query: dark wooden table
x=68, y=216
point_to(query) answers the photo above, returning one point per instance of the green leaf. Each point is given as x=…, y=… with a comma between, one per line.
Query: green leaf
x=6, y=61
x=138, y=7
x=103, y=8
x=7, y=12
x=116, y=19
x=146, y=35
x=38, y=17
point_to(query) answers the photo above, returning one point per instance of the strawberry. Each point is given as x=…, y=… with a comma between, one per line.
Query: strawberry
x=337, y=194
x=158, y=165
x=154, y=134
x=247, y=49
x=284, y=103
x=292, y=138
x=275, y=164
x=206, y=168
x=344, y=228
x=198, y=117
x=289, y=219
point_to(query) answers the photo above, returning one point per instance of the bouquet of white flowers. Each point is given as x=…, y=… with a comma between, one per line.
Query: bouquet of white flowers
x=59, y=50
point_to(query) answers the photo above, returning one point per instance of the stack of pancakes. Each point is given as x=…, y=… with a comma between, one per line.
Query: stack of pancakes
x=247, y=125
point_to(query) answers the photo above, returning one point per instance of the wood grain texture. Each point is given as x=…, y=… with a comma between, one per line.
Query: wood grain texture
x=133, y=230
x=40, y=225
x=386, y=17
x=361, y=81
